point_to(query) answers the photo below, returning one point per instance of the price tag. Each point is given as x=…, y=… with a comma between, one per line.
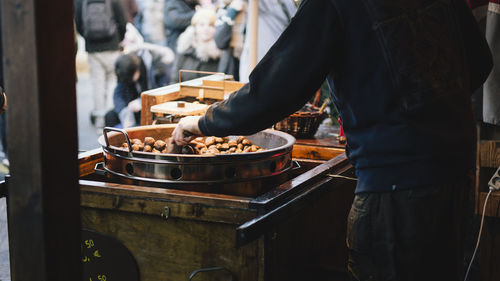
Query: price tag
x=104, y=258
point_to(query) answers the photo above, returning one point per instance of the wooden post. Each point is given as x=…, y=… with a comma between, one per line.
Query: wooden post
x=43, y=197
x=254, y=23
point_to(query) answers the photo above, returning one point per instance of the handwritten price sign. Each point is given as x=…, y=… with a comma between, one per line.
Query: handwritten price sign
x=106, y=259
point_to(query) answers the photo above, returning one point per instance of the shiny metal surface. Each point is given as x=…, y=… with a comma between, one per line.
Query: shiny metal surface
x=183, y=168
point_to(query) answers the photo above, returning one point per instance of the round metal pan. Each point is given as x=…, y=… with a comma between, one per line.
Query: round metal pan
x=194, y=169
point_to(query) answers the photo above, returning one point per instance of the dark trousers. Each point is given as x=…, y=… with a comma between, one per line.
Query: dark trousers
x=406, y=235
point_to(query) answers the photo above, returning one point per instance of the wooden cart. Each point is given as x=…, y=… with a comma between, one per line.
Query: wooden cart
x=295, y=231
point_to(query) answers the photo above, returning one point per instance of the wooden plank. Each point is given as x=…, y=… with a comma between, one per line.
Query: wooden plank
x=228, y=86
x=277, y=195
x=310, y=245
x=176, y=210
x=88, y=160
x=43, y=202
x=489, y=250
x=170, y=93
x=316, y=152
x=171, y=249
x=173, y=107
x=149, y=99
x=327, y=142
x=489, y=153
x=493, y=205
x=202, y=92
x=223, y=200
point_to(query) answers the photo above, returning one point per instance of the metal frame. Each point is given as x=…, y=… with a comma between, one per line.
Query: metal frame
x=43, y=200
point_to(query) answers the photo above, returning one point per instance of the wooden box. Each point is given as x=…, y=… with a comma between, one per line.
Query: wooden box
x=296, y=231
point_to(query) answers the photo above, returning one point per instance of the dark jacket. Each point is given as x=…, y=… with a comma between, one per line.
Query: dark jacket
x=193, y=55
x=177, y=18
x=189, y=61
x=112, y=44
x=124, y=93
x=402, y=73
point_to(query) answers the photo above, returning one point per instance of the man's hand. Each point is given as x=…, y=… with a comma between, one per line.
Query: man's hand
x=186, y=129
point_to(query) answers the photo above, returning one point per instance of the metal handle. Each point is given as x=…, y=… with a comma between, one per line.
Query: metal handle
x=99, y=169
x=127, y=138
x=217, y=268
x=295, y=165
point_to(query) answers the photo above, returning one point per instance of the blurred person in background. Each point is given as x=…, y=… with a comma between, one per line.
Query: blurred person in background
x=230, y=34
x=196, y=49
x=274, y=16
x=126, y=96
x=102, y=23
x=156, y=59
x=150, y=20
x=177, y=17
x=131, y=9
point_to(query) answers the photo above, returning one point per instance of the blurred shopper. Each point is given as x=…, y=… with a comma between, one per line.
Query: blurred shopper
x=274, y=16
x=156, y=59
x=196, y=48
x=150, y=20
x=177, y=17
x=131, y=9
x=102, y=23
x=126, y=95
x=229, y=35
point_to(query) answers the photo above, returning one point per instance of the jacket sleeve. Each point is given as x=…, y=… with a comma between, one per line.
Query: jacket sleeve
x=287, y=76
x=178, y=64
x=177, y=14
x=120, y=18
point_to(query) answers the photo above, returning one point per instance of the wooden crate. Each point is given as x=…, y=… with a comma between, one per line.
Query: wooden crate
x=207, y=87
x=296, y=231
x=488, y=160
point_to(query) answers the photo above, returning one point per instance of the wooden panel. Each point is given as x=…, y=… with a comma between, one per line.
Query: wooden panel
x=43, y=202
x=156, y=207
x=88, y=160
x=315, y=152
x=171, y=249
x=228, y=86
x=493, y=205
x=150, y=99
x=173, y=92
x=180, y=108
x=327, y=142
x=202, y=92
x=151, y=193
x=311, y=244
x=489, y=250
x=489, y=153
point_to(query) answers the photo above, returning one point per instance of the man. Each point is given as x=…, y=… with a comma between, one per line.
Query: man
x=102, y=23
x=401, y=73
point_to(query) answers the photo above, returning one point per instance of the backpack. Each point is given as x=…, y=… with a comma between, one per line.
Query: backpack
x=98, y=20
